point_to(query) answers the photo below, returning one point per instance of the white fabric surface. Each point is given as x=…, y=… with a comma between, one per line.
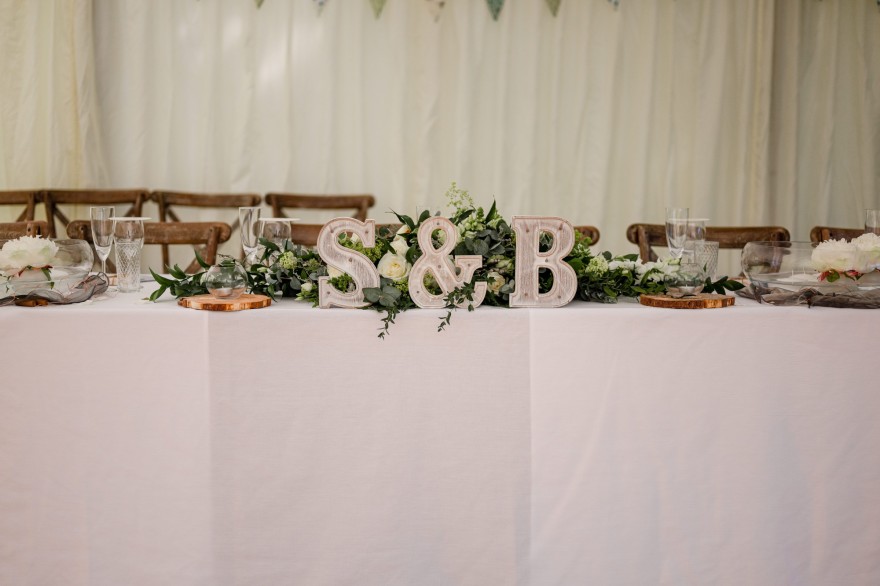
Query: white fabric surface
x=749, y=112
x=585, y=445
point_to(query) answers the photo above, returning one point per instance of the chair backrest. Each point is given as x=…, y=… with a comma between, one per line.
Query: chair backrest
x=10, y=230
x=307, y=234
x=28, y=199
x=91, y=197
x=646, y=236
x=207, y=235
x=590, y=232
x=822, y=233
x=169, y=200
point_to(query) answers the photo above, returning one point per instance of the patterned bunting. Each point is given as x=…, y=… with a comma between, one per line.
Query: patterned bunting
x=553, y=5
x=377, y=5
x=435, y=6
x=495, y=7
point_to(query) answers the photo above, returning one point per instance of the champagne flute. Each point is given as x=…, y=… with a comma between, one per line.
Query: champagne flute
x=102, y=232
x=275, y=230
x=676, y=230
x=872, y=222
x=249, y=218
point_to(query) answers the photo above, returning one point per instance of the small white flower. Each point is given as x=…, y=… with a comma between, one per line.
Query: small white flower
x=394, y=267
x=496, y=281
x=307, y=287
x=354, y=238
x=597, y=266
x=399, y=245
x=403, y=230
x=333, y=272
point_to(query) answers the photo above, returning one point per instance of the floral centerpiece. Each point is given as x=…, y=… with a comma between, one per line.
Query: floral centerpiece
x=25, y=260
x=293, y=271
x=851, y=259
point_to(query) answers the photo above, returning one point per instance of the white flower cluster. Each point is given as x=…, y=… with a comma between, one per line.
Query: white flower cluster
x=861, y=255
x=393, y=265
x=27, y=252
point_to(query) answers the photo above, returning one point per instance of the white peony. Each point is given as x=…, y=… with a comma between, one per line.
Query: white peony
x=394, y=266
x=399, y=245
x=868, y=246
x=837, y=255
x=496, y=281
x=27, y=251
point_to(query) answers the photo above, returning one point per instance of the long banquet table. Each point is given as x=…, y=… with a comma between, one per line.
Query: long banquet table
x=145, y=444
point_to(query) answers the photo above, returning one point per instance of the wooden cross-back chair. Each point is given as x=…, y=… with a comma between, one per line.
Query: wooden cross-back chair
x=133, y=198
x=307, y=234
x=27, y=198
x=590, y=232
x=822, y=233
x=206, y=235
x=646, y=236
x=11, y=230
x=169, y=200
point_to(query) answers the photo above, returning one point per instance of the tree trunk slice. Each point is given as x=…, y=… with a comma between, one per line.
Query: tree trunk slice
x=701, y=301
x=210, y=303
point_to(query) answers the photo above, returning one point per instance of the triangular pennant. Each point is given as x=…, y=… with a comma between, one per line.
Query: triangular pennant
x=435, y=6
x=320, y=4
x=259, y=3
x=377, y=5
x=495, y=7
x=554, y=6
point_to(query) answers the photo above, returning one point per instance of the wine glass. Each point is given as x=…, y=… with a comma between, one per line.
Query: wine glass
x=249, y=218
x=676, y=230
x=102, y=232
x=872, y=222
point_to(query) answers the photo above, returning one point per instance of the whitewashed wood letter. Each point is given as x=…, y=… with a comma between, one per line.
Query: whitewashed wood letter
x=363, y=272
x=437, y=262
x=529, y=260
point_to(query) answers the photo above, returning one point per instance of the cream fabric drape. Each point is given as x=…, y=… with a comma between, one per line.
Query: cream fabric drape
x=747, y=112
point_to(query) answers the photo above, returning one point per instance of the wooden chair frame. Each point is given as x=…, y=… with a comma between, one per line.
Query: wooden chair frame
x=28, y=198
x=591, y=232
x=168, y=200
x=646, y=236
x=822, y=233
x=208, y=235
x=307, y=234
x=11, y=230
x=91, y=197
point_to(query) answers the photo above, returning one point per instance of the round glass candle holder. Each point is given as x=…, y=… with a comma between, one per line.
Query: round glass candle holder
x=227, y=280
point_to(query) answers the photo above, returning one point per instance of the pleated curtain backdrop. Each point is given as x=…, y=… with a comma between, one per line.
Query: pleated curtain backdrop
x=748, y=112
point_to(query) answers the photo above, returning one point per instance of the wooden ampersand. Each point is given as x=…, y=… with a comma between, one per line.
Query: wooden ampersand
x=437, y=262
x=363, y=272
x=529, y=259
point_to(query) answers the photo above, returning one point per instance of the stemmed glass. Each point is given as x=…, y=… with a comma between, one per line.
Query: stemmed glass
x=249, y=219
x=275, y=230
x=676, y=230
x=102, y=232
x=872, y=222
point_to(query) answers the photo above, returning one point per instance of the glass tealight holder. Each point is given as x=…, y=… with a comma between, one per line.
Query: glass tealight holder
x=687, y=281
x=226, y=280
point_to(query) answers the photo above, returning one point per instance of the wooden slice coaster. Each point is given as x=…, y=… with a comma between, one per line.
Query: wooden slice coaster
x=211, y=303
x=701, y=301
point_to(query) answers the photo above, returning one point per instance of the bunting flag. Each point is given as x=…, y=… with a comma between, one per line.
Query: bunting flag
x=259, y=3
x=377, y=5
x=495, y=7
x=320, y=4
x=435, y=6
x=553, y=5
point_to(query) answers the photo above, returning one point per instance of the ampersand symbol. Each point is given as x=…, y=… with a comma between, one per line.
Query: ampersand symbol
x=440, y=265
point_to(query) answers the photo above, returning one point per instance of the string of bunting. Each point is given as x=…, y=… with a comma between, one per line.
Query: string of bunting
x=436, y=6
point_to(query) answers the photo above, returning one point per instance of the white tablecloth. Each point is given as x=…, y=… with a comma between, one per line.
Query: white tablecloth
x=593, y=444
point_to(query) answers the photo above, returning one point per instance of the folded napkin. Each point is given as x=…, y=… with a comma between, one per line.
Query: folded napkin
x=809, y=296
x=94, y=285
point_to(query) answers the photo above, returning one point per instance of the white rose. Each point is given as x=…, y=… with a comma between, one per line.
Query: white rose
x=399, y=245
x=27, y=251
x=394, y=266
x=838, y=255
x=496, y=281
x=307, y=287
x=333, y=272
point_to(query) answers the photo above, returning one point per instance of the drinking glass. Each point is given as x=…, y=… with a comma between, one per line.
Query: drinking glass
x=676, y=230
x=275, y=230
x=102, y=232
x=696, y=229
x=249, y=219
x=128, y=233
x=872, y=221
